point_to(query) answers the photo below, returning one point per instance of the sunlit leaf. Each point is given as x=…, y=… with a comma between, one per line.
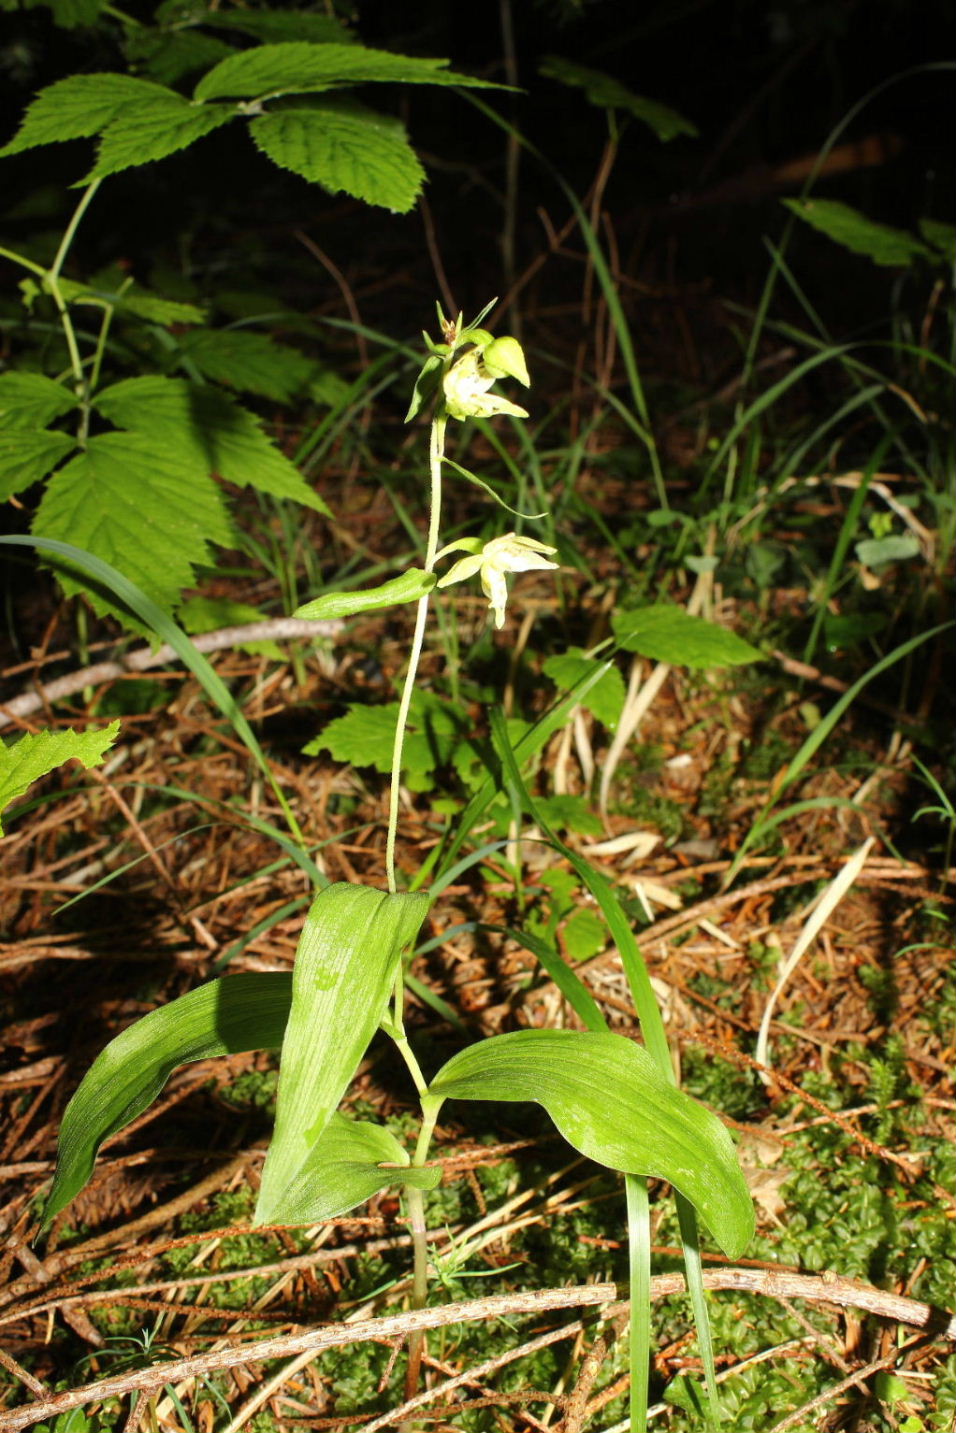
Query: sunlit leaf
x=37, y=753
x=669, y=634
x=408, y=587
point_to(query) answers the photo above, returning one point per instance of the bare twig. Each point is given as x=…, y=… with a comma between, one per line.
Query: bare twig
x=826, y=1289
x=276, y=629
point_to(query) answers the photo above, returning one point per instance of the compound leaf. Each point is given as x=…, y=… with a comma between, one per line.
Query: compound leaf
x=610, y=1101
x=79, y=106
x=345, y=967
x=608, y=93
x=224, y=1017
x=299, y=66
x=252, y=362
x=152, y=129
x=39, y=753
x=26, y=457
x=131, y=501
x=29, y=400
x=846, y=226
x=347, y=148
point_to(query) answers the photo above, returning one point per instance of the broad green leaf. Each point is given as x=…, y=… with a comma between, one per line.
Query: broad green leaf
x=570, y=813
x=133, y=501
x=669, y=634
x=344, y=1168
x=584, y=934
x=345, y=967
x=114, y=290
x=168, y=55
x=39, y=753
x=846, y=226
x=365, y=736
x=27, y=457
x=79, y=106
x=895, y=547
x=223, y=1017
x=939, y=236
x=409, y=587
x=149, y=130
x=605, y=699
x=210, y=614
x=28, y=400
x=608, y=93
x=610, y=1102
x=250, y=361
x=298, y=66
x=210, y=432
x=347, y=148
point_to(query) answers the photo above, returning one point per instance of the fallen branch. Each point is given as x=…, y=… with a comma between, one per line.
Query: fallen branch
x=826, y=1288
x=276, y=629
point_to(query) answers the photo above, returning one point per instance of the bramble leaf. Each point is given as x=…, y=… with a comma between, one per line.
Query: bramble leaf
x=249, y=361
x=669, y=634
x=131, y=501
x=608, y=93
x=605, y=699
x=79, y=106
x=152, y=129
x=29, y=400
x=347, y=148
x=209, y=431
x=297, y=67
x=26, y=457
x=223, y=1017
x=847, y=226
x=610, y=1101
x=345, y=967
x=38, y=753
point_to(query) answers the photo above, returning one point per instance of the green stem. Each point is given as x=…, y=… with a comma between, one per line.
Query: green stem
x=415, y=1201
x=52, y=277
x=436, y=454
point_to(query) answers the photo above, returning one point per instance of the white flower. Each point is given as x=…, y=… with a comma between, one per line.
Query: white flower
x=467, y=382
x=502, y=555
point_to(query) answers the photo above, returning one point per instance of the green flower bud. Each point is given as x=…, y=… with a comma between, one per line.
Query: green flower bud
x=504, y=358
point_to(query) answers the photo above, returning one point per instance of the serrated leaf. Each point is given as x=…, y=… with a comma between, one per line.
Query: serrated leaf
x=210, y=431
x=408, y=587
x=29, y=400
x=895, y=547
x=138, y=505
x=610, y=1101
x=26, y=457
x=39, y=753
x=669, y=634
x=608, y=93
x=344, y=1168
x=298, y=67
x=365, y=736
x=345, y=967
x=152, y=129
x=347, y=149
x=250, y=361
x=846, y=226
x=78, y=107
x=584, y=934
x=224, y=1017
x=605, y=699
x=158, y=310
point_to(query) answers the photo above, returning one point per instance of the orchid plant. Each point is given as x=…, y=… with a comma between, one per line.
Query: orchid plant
x=614, y=1100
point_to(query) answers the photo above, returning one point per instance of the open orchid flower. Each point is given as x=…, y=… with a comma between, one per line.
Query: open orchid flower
x=493, y=562
x=467, y=382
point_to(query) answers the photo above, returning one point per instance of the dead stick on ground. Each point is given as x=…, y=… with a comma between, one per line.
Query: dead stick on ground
x=277, y=629
x=825, y=1289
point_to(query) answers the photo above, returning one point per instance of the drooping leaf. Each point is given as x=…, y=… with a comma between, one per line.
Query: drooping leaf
x=345, y=966
x=29, y=400
x=209, y=430
x=26, y=457
x=608, y=93
x=605, y=699
x=610, y=1102
x=224, y=1017
x=846, y=226
x=347, y=148
x=78, y=107
x=669, y=634
x=298, y=66
x=38, y=753
x=274, y=26
x=408, y=587
x=140, y=507
x=344, y=1168
x=152, y=129
x=252, y=362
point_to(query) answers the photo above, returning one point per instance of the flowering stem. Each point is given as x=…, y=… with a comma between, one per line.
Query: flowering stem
x=435, y=457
